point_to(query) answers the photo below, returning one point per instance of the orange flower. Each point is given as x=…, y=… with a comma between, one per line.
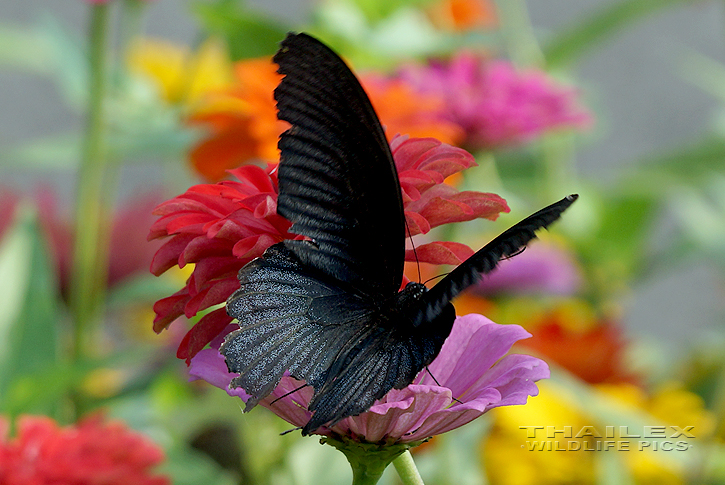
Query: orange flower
x=566, y=331
x=460, y=15
x=244, y=126
x=403, y=110
x=592, y=349
x=243, y=121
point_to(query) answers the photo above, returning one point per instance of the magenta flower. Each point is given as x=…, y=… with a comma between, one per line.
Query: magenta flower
x=472, y=367
x=221, y=227
x=496, y=104
x=544, y=268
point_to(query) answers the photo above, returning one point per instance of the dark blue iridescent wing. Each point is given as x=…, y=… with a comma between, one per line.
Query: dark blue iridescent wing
x=350, y=349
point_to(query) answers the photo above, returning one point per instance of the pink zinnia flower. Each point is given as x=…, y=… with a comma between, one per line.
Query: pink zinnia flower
x=92, y=452
x=221, y=227
x=496, y=104
x=471, y=367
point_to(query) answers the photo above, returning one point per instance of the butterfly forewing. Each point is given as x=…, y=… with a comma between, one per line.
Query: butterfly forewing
x=337, y=179
x=485, y=260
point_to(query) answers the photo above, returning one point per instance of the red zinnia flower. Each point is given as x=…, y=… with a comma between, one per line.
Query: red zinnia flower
x=221, y=227
x=92, y=452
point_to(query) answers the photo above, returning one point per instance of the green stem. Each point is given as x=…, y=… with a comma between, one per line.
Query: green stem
x=367, y=460
x=407, y=471
x=89, y=256
x=558, y=172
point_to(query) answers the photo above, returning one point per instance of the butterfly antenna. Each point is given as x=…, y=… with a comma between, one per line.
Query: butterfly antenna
x=415, y=253
x=435, y=278
x=287, y=394
x=438, y=383
x=290, y=430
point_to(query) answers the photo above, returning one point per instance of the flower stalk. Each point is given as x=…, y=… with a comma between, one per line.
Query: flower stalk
x=407, y=471
x=369, y=461
x=89, y=256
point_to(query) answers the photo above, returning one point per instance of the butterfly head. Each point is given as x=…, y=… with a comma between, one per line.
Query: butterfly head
x=412, y=292
x=410, y=302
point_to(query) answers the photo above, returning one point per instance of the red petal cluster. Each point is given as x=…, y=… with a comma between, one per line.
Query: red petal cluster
x=423, y=165
x=92, y=452
x=221, y=227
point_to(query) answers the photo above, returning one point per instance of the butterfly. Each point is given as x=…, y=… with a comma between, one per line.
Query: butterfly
x=327, y=309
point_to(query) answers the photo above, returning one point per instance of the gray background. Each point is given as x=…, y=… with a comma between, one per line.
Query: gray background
x=634, y=80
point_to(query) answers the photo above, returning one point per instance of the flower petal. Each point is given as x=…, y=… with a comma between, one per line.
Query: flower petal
x=440, y=252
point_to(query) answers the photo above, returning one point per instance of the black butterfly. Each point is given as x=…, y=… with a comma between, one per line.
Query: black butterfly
x=327, y=309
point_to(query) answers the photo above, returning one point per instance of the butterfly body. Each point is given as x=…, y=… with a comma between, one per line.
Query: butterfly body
x=327, y=309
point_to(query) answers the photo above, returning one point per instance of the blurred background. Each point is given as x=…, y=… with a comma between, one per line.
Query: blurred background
x=640, y=81
x=638, y=320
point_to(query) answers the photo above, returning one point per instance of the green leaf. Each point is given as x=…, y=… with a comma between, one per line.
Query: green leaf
x=70, y=60
x=189, y=467
x=51, y=49
x=60, y=151
x=612, y=247
x=703, y=71
x=29, y=313
x=568, y=46
x=248, y=33
x=700, y=215
x=63, y=151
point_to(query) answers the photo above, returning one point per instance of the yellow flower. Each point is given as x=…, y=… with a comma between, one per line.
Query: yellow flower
x=180, y=75
x=508, y=457
x=554, y=438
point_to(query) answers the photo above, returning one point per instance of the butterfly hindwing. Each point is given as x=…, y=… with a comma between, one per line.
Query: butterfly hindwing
x=351, y=350
x=337, y=179
x=289, y=320
x=388, y=359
